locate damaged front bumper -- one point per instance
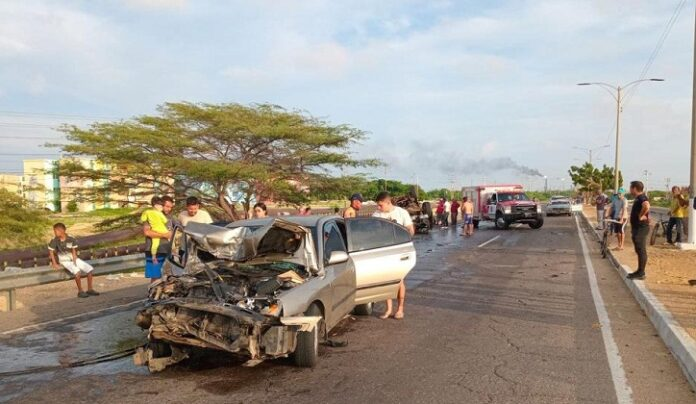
(184, 325)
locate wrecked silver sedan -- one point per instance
(270, 288)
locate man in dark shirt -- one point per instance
(153, 270)
(640, 227)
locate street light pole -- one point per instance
(617, 155)
(615, 92)
(692, 188)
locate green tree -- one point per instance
(589, 179)
(20, 224)
(222, 153)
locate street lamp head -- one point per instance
(657, 79)
(584, 84)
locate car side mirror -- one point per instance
(338, 257)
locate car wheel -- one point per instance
(501, 223)
(307, 349)
(363, 309)
(537, 224)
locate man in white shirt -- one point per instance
(194, 213)
(388, 211)
(446, 214)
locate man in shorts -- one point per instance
(468, 213)
(387, 210)
(618, 211)
(62, 250)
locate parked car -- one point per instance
(269, 288)
(559, 205)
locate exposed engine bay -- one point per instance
(228, 297)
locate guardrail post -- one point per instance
(10, 303)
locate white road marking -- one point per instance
(489, 241)
(623, 390)
(59, 320)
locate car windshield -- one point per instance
(512, 196)
(560, 202)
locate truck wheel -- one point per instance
(307, 350)
(500, 222)
(537, 224)
(363, 309)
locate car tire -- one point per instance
(501, 223)
(363, 309)
(306, 352)
(537, 224)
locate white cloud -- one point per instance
(156, 4)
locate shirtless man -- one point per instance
(356, 201)
(468, 216)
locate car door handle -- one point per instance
(405, 258)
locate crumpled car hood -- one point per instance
(278, 240)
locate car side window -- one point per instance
(332, 240)
(401, 235)
(369, 233)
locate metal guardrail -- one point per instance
(16, 278)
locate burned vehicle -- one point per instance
(269, 288)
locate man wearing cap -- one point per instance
(356, 201)
(618, 211)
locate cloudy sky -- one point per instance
(448, 90)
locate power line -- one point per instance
(660, 42)
(54, 115)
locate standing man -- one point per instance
(152, 270)
(600, 204)
(640, 227)
(455, 212)
(468, 212)
(619, 212)
(387, 210)
(445, 213)
(356, 201)
(677, 212)
(194, 213)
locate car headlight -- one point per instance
(538, 208)
(507, 210)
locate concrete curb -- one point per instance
(679, 342)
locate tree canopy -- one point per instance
(222, 153)
(15, 228)
(591, 179)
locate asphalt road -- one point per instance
(512, 321)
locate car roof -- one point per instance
(306, 221)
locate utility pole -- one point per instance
(646, 173)
(691, 244)
(619, 90)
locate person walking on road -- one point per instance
(62, 251)
(640, 227)
(356, 201)
(446, 207)
(387, 210)
(600, 203)
(439, 210)
(618, 211)
(677, 212)
(468, 217)
(455, 212)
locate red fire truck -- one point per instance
(504, 205)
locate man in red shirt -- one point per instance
(454, 208)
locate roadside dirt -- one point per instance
(58, 300)
(668, 273)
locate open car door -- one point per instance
(383, 254)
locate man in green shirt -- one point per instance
(677, 213)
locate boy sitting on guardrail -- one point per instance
(62, 250)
